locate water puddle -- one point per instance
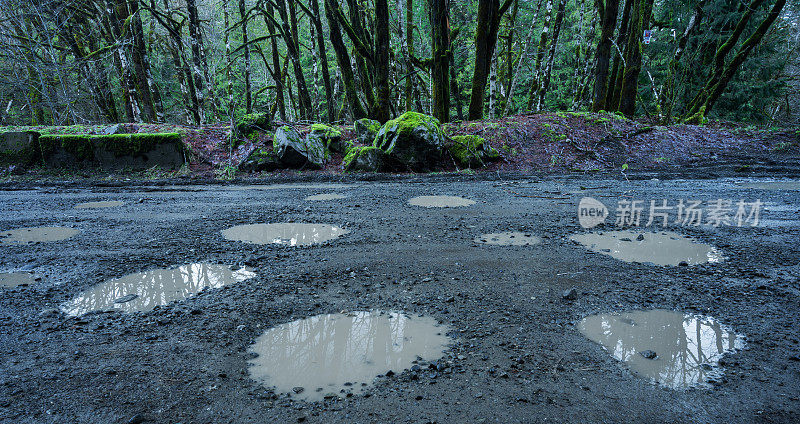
(36, 234)
(663, 248)
(327, 196)
(440, 201)
(324, 354)
(98, 205)
(508, 238)
(145, 290)
(772, 185)
(290, 234)
(16, 279)
(670, 348)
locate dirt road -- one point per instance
(516, 354)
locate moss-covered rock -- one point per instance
(253, 122)
(366, 130)
(330, 137)
(248, 126)
(261, 159)
(19, 147)
(112, 151)
(471, 151)
(413, 139)
(295, 151)
(365, 159)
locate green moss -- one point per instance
(325, 131)
(253, 122)
(404, 126)
(82, 147)
(471, 150)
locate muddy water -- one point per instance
(440, 201)
(330, 353)
(36, 234)
(662, 248)
(143, 291)
(772, 185)
(290, 234)
(15, 279)
(508, 238)
(673, 349)
(97, 205)
(327, 196)
(322, 186)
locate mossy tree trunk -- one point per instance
(323, 55)
(343, 60)
(544, 84)
(544, 38)
(440, 62)
(488, 25)
(618, 66)
(607, 11)
(640, 15)
(719, 81)
(382, 63)
(248, 86)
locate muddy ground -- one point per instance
(516, 354)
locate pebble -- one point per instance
(570, 294)
(648, 354)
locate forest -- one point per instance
(196, 62)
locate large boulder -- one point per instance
(261, 159)
(248, 127)
(294, 151)
(471, 151)
(414, 140)
(330, 137)
(19, 147)
(365, 159)
(118, 151)
(366, 130)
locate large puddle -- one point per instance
(215, 187)
(324, 354)
(508, 238)
(326, 196)
(15, 279)
(144, 291)
(290, 234)
(99, 205)
(670, 348)
(36, 234)
(440, 201)
(662, 248)
(772, 185)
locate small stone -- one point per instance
(570, 294)
(126, 298)
(136, 419)
(648, 354)
(683, 263)
(298, 389)
(640, 238)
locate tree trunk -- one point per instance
(280, 103)
(382, 37)
(343, 60)
(608, 21)
(408, 44)
(440, 72)
(293, 51)
(667, 94)
(522, 60)
(545, 82)
(197, 60)
(150, 95)
(718, 86)
(538, 68)
(615, 80)
(326, 76)
(248, 87)
(640, 19)
(489, 14)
